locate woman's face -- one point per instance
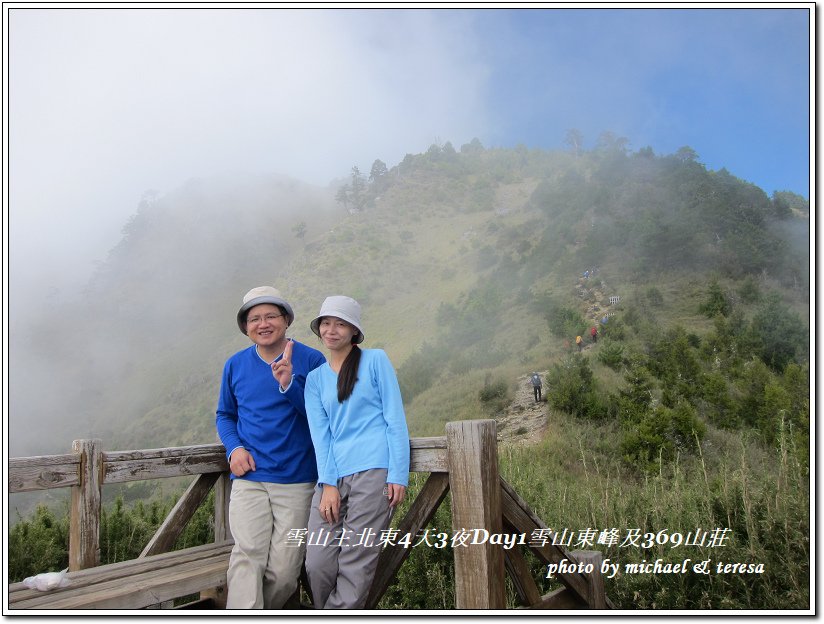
(336, 333)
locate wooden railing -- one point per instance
(464, 462)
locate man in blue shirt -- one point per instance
(261, 420)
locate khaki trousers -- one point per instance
(264, 565)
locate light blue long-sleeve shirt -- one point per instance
(368, 430)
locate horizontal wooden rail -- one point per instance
(428, 455)
(462, 463)
(122, 466)
(30, 474)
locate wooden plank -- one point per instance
(518, 514)
(428, 454)
(29, 474)
(123, 466)
(123, 570)
(436, 442)
(420, 513)
(139, 590)
(84, 519)
(167, 533)
(561, 598)
(213, 597)
(521, 577)
(207, 603)
(195, 450)
(476, 504)
(428, 460)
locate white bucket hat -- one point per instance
(342, 307)
(263, 294)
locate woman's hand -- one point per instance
(282, 368)
(396, 493)
(330, 504)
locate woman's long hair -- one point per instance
(348, 375)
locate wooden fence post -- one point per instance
(476, 506)
(223, 532)
(595, 581)
(84, 522)
(223, 490)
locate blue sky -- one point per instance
(732, 84)
(107, 103)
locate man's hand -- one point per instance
(241, 462)
(282, 368)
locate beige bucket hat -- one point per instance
(263, 294)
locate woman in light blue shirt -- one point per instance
(358, 428)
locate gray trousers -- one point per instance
(341, 558)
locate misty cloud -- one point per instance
(105, 104)
(109, 103)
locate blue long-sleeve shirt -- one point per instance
(368, 430)
(271, 424)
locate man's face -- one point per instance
(266, 325)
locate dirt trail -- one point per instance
(591, 291)
(524, 421)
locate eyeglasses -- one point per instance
(255, 320)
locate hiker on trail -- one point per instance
(261, 420)
(536, 386)
(594, 333)
(580, 342)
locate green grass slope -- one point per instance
(691, 411)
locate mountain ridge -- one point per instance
(452, 255)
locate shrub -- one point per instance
(749, 290)
(715, 402)
(573, 388)
(660, 434)
(564, 321)
(494, 394)
(611, 354)
(38, 544)
(654, 297)
(781, 331)
(41, 543)
(615, 328)
(716, 302)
